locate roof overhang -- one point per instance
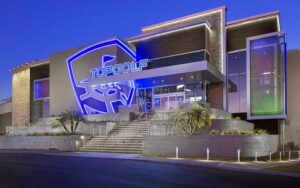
(254, 19)
(202, 71)
(164, 32)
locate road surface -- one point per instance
(39, 170)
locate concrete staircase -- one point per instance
(124, 138)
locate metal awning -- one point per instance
(177, 74)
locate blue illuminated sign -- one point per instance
(96, 98)
(118, 68)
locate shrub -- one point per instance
(192, 119)
(49, 134)
(214, 131)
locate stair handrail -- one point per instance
(139, 117)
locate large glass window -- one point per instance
(168, 89)
(237, 82)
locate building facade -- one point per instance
(237, 66)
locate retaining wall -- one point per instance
(160, 127)
(64, 143)
(90, 129)
(219, 145)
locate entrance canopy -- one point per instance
(201, 71)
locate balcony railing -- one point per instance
(189, 57)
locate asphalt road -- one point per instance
(38, 170)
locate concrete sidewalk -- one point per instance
(251, 167)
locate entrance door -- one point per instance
(168, 101)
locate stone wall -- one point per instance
(21, 95)
(64, 143)
(219, 145)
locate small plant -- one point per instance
(72, 118)
(236, 118)
(214, 131)
(261, 131)
(2, 133)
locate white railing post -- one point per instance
(176, 152)
(239, 155)
(255, 157)
(270, 156)
(299, 154)
(93, 130)
(280, 156)
(207, 154)
(289, 155)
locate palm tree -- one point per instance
(190, 120)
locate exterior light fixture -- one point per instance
(180, 86)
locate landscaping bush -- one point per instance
(238, 132)
(191, 119)
(49, 134)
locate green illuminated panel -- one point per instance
(266, 78)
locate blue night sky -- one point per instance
(34, 29)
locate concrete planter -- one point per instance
(219, 145)
(63, 143)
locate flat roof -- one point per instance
(166, 31)
(181, 19)
(252, 19)
(33, 63)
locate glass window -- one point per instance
(233, 105)
(233, 60)
(169, 89)
(41, 89)
(242, 61)
(237, 81)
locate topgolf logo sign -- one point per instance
(83, 70)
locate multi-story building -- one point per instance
(239, 66)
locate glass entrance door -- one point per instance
(168, 101)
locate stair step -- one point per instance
(124, 138)
(105, 151)
(113, 149)
(107, 143)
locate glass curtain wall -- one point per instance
(237, 96)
